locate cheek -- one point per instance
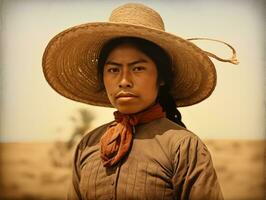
(155, 90)
(153, 80)
(106, 80)
(107, 85)
(150, 90)
(110, 89)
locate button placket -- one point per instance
(114, 180)
(112, 183)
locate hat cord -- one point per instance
(232, 60)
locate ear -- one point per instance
(161, 83)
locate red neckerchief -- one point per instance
(117, 140)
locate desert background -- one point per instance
(42, 171)
(39, 129)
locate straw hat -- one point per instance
(70, 58)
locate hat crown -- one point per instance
(137, 14)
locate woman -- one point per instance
(133, 65)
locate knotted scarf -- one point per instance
(117, 140)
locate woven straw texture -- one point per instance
(70, 58)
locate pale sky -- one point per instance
(32, 111)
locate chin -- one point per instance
(129, 110)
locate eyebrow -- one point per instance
(130, 64)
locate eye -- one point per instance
(138, 68)
(112, 69)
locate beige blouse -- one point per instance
(166, 161)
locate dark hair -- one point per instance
(163, 64)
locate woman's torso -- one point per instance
(149, 171)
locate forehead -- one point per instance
(127, 51)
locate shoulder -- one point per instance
(171, 133)
(93, 137)
(172, 138)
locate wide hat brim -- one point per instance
(70, 62)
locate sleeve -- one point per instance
(194, 175)
(73, 191)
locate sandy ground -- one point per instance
(42, 170)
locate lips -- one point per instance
(125, 95)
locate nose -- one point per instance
(126, 80)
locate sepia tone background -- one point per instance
(39, 129)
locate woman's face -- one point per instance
(130, 79)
